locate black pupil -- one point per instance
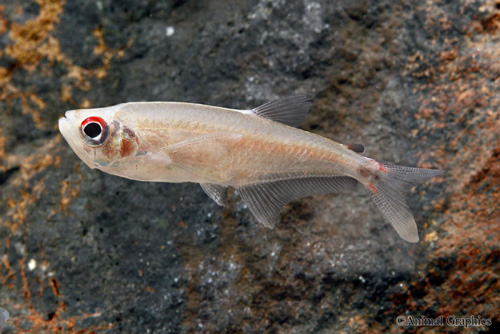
(92, 130)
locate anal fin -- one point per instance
(216, 192)
(265, 200)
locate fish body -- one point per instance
(257, 151)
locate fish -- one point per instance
(259, 152)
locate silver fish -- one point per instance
(259, 152)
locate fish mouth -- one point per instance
(65, 127)
(65, 117)
(63, 122)
(72, 137)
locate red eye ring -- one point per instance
(94, 131)
(95, 119)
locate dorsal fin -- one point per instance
(290, 110)
(266, 199)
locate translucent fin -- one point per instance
(4, 315)
(290, 111)
(358, 148)
(265, 200)
(216, 192)
(193, 151)
(388, 191)
(195, 144)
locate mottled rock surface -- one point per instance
(417, 82)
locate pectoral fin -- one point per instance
(265, 200)
(198, 150)
(216, 192)
(203, 142)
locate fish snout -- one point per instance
(66, 121)
(69, 114)
(65, 125)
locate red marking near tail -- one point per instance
(381, 167)
(373, 188)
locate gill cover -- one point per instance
(127, 142)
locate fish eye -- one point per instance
(94, 131)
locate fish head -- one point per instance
(97, 137)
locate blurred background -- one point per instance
(416, 82)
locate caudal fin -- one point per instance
(388, 191)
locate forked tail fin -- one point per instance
(388, 191)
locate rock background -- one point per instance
(417, 82)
